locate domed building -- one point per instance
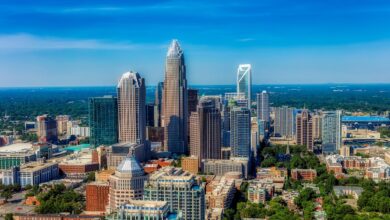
(127, 183)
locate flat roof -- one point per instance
(365, 118)
(16, 147)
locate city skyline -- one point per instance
(286, 43)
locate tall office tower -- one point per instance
(62, 124)
(175, 105)
(205, 136)
(103, 120)
(284, 122)
(127, 182)
(180, 189)
(331, 131)
(149, 114)
(305, 129)
(317, 126)
(240, 132)
(131, 108)
(158, 104)
(225, 117)
(46, 129)
(192, 100)
(263, 111)
(244, 81)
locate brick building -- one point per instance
(190, 164)
(303, 174)
(97, 196)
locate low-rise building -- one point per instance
(33, 173)
(78, 165)
(303, 174)
(145, 209)
(118, 152)
(220, 193)
(260, 191)
(97, 196)
(221, 167)
(190, 164)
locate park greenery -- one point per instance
(7, 191)
(384, 132)
(374, 202)
(59, 199)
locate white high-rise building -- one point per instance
(263, 111)
(131, 108)
(244, 81)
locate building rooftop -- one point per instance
(35, 166)
(78, 158)
(365, 118)
(130, 165)
(14, 148)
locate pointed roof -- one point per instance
(133, 76)
(130, 165)
(174, 49)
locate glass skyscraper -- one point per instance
(263, 111)
(240, 132)
(103, 120)
(244, 81)
(331, 131)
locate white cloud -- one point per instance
(31, 42)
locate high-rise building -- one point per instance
(103, 120)
(131, 108)
(317, 126)
(205, 136)
(284, 122)
(244, 81)
(127, 183)
(46, 129)
(304, 129)
(192, 100)
(158, 104)
(240, 132)
(150, 114)
(331, 131)
(180, 189)
(175, 104)
(62, 124)
(263, 110)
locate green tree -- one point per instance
(9, 216)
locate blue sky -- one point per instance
(76, 43)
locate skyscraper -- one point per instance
(205, 136)
(331, 131)
(240, 132)
(46, 129)
(175, 112)
(149, 112)
(244, 81)
(263, 111)
(103, 120)
(192, 100)
(304, 129)
(317, 126)
(131, 108)
(158, 104)
(284, 122)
